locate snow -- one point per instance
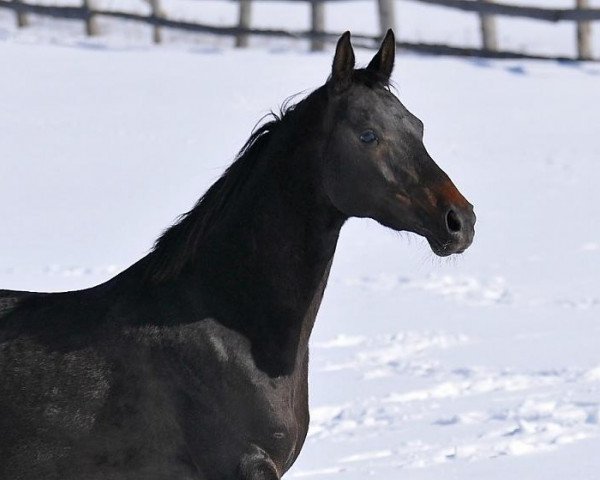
(482, 366)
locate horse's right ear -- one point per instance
(383, 61)
(343, 64)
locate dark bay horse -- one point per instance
(192, 363)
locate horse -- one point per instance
(193, 362)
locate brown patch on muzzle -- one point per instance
(447, 194)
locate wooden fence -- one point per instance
(487, 11)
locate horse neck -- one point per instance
(264, 268)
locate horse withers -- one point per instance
(193, 362)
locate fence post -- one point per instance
(317, 44)
(155, 15)
(387, 17)
(489, 39)
(241, 40)
(20, 14)
(91, 27)
(584, 34)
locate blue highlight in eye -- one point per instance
(368, 136)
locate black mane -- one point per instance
(179, 244)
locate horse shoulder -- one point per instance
(212, 366)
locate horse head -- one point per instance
(375, 163)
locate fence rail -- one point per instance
(486, 9)
(535, 13)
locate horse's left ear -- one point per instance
(383, 61)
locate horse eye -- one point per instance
(368, 136)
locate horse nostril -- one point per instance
(453, 222)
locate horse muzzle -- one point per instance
(457, 232)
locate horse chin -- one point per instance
(445, 249)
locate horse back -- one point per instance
(94, 387)
(49, 396)
(9, 299)
(91, 389)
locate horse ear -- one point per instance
(343, 63)
(383, 61)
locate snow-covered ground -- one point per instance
(482, 366)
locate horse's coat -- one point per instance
(192, 363)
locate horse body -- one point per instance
(193, 363)
(200, 373)
(136, 398)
